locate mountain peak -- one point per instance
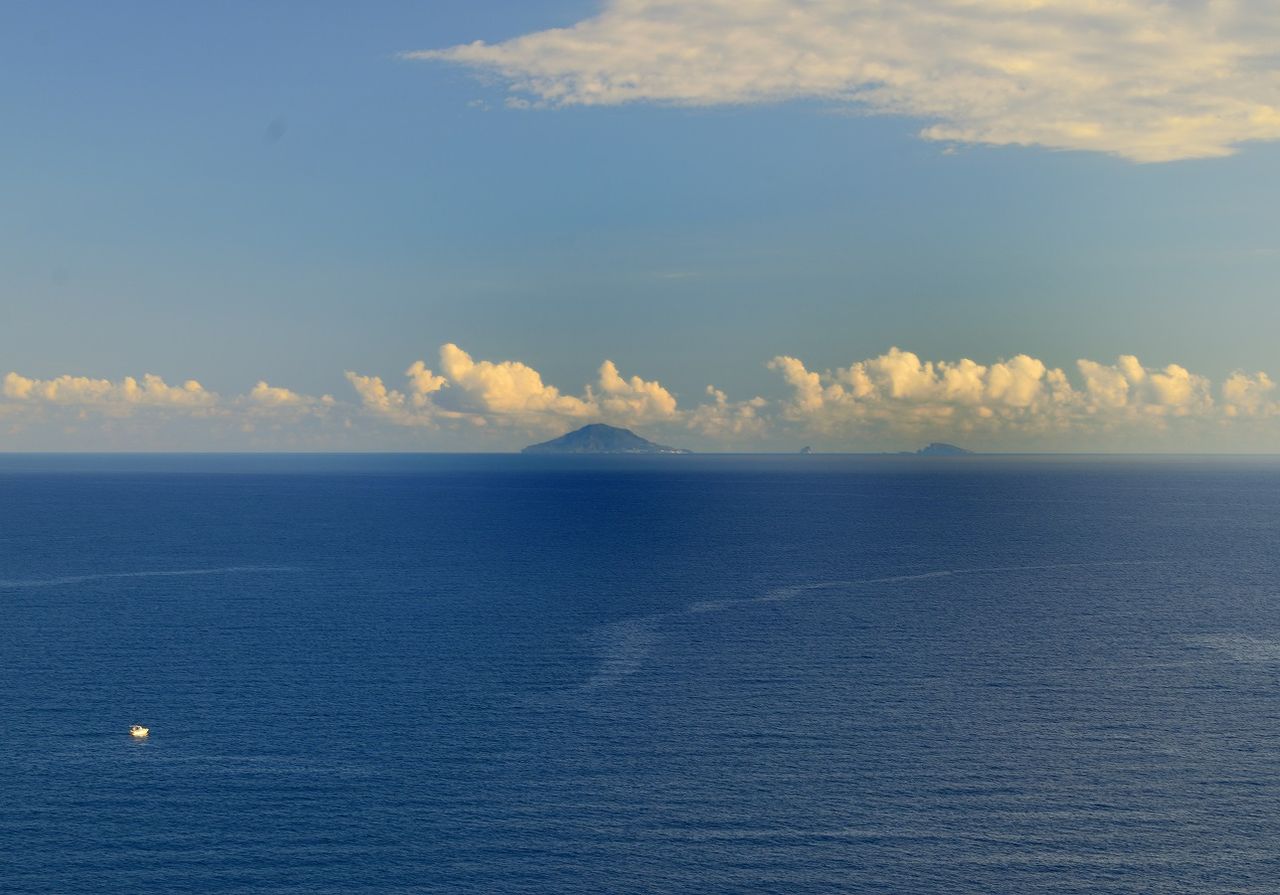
(600, 438)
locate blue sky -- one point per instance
(273, 193)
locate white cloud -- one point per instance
(509, 392)
(723, 419)
(26, 400)
(270, 402)
(274, 396)
(898, 388)
(374, 394)
(898, 393)
(1127, 384)
(809, 395)
(631, 399)
(887, 402)
(394, 405)
(423, 383)
(1245, 395)
(1150, 80)
(505, 387)
(81, 391)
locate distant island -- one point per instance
(942, 449)
(598, 438)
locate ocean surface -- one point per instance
(703, 674)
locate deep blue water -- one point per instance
(675, 674)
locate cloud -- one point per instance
(509, 392)
(271, 403)
(723, 419)
(1126, 384)
(898, 393)
(889, 401)
(1249, 395)
(474, 391)
(1149, 80)
(898, 385)
(67, 398)
(503, 388)
(375, 395)
(81, 391)
(271, 396)
(631, 399)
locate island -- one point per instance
(942, 449)
(599, 438)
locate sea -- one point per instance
(639, 674)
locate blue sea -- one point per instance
(701, 674)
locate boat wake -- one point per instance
(626, 644)
(21, 583)
(623, 647)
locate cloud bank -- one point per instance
(898, 392)
(1148, 80)
(128, 393)
(891, 401)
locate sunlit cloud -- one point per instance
(276, 396)
(885, 402)
(1250, 395)
(508, 388)
(122, 395)
(1148, 80)
(898, 392)
(84, 398)
(508, 392)
(723, 419)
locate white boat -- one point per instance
(138, 730)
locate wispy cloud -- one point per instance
(1149, 80)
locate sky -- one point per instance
(1017, 225)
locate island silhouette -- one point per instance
(942, 449)
(599, 438)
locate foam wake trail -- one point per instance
(786, 593)
(16, 584)
(625, 645)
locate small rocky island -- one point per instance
(598, 438)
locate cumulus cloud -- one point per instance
(465, 389)
(265, 395)
(412, 407)
(1149, 80)
(721, 418)
(1126, 384)
(509, 392)
(272, 402)
(83, 398)
(1249, 395)
(899, 392)
(631, 399)
(505, 387)
(889, 401)
(81, 391)
(375, 395)
(900, 387)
